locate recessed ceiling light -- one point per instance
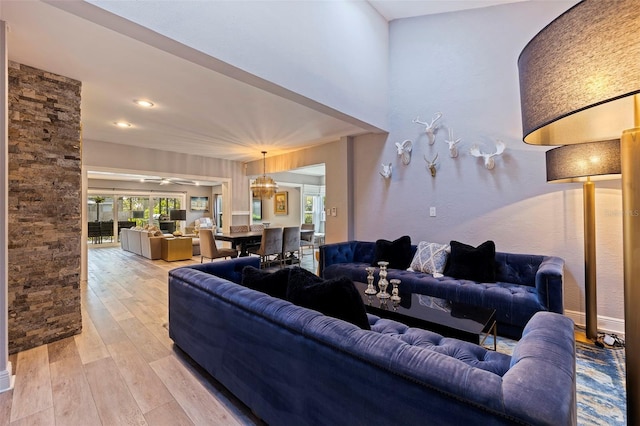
(122, 124)
(143, 103)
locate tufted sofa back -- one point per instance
(510, 268)
(517, 268)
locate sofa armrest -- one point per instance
(549, 283)
(543, 369)
(227, 269)
(335, 253)
(152, 247)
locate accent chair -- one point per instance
(209, 249)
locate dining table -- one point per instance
(242, 240)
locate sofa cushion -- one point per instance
(336, 297)
(272, 283)
(472, 263)
(431, 258)
(398, 253)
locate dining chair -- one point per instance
(308, 240)
(256, 227)
(209, 249)
(94, 232)
(270, 245)
(238, 228)
(291, 243)
(106, 230)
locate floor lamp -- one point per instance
(585, 163)
(138, 214)
(579, 82)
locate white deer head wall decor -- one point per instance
(386, 171)
(453, 149)
(431, 165)
(404, 151)
(430, 128)
(489, 162)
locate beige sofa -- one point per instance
(142, 243)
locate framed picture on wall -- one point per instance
(256, 209)
(280, 205)
(200, 204)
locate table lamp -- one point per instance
(585, 163)
(579, 82)
(178, 215)
(138, 214)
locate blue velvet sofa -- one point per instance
(525, 284)
(295, 366)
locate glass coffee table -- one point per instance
(451, 319)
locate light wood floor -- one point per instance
(122, 369)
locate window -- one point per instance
(313, 205)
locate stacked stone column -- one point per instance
(45, 199)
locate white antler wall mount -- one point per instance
(453, 149)
(432, 165)
(404, 151)
(386, 171)
(489, 161)
(430, 128)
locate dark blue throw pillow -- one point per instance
(472, 263)
(336, 297)
(397, 253)
(273, 283)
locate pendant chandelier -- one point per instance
(264, 186)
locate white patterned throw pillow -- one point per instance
(431, 258)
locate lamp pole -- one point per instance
(589, 201)
(630, 158)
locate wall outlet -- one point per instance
(432, 211)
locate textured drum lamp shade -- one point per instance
(178, 215)
(264, 186)
(581, 163)
(585, 161)
(579, 82)
(579, 74)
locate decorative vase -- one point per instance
(383, 283)
(395, 297)
(371, 290)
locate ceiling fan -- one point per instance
(170, 181)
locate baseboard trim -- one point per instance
(7, 380)
(605, 324)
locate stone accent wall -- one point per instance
(45, 195)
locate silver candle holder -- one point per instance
(371, 290)
(395, 297)
(383, 283)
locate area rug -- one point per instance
(600, 382)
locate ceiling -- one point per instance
(396, 9)
(195, 108)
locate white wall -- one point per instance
(337, 157)
(104, 155)
(465, 65)
(333, 52)
(294, 215)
